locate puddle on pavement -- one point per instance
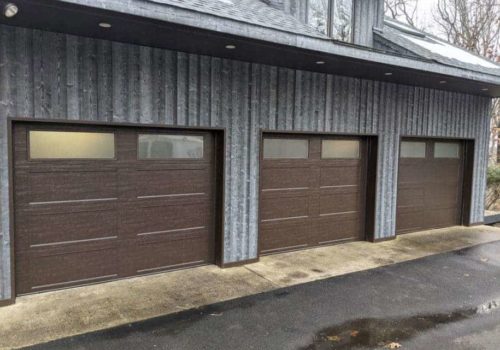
(378, 333)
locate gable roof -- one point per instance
(424, 45)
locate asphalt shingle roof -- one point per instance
(255, 12)
(430, 47)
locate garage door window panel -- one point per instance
(340, 149)
(162, 146)
(71, 145)
(413, 149)
(286, 148)
(446, 150)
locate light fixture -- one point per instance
(388, 74)
(230, 47)
(10, 10)
(105, 25)
(484, 89)
(320, 62)
(443, 82)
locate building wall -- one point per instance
(57, 76)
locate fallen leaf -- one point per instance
(393, 345)
(484, 259)
(333, 338)
(354, 333)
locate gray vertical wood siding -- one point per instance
(57, 76)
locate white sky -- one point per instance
(424, 16)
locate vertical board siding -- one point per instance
(49, 75)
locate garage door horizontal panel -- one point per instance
(410, 196)
(160, 256)
(333, 229)
(441, 217)
(49, 229)
(409, 220)
(200, 232)
(149, 220)
(65, 270)
(412, 173)
(286, 178)
(170, 200)
(73, 186)
(296, 234)
(340, 176)
(284, 208)
(346, 203)
(441, 196)
(69, 247)
(172, 182)
(340, 190)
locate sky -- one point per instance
(424, 16)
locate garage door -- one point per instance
(312, 191)
(100, 203)
(429, 184)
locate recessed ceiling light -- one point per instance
(10, 10)
(388, 74)
(230, 47)
(320, 62)
(105, 25)
(443, 82)
(485, 89)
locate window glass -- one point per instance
(286, 148)
(446, 150)
(340, 149)
(163, 146)
(317, 15)
(412, 149)
(71, 145)
(342, 20)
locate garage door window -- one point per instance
(286, 148)
(412, 149)
(71, 145)
(340, 149)
(446, 150)
(162, 146)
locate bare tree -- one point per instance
(475, 26)
(402, 10)
(471, 24)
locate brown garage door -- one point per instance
(312, 191)
(429, 185)
(100, 203)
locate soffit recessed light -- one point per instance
(320, 62)
(230, 47)
(105, 25)
(443, 82)
(10, 10)
(388, 74)
(485, 89)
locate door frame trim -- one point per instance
(220, 134)
(370, 176)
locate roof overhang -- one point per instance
(194, 32)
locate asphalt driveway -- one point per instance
(446, 301)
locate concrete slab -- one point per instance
(43, 317)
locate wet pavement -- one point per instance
(446, 301)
